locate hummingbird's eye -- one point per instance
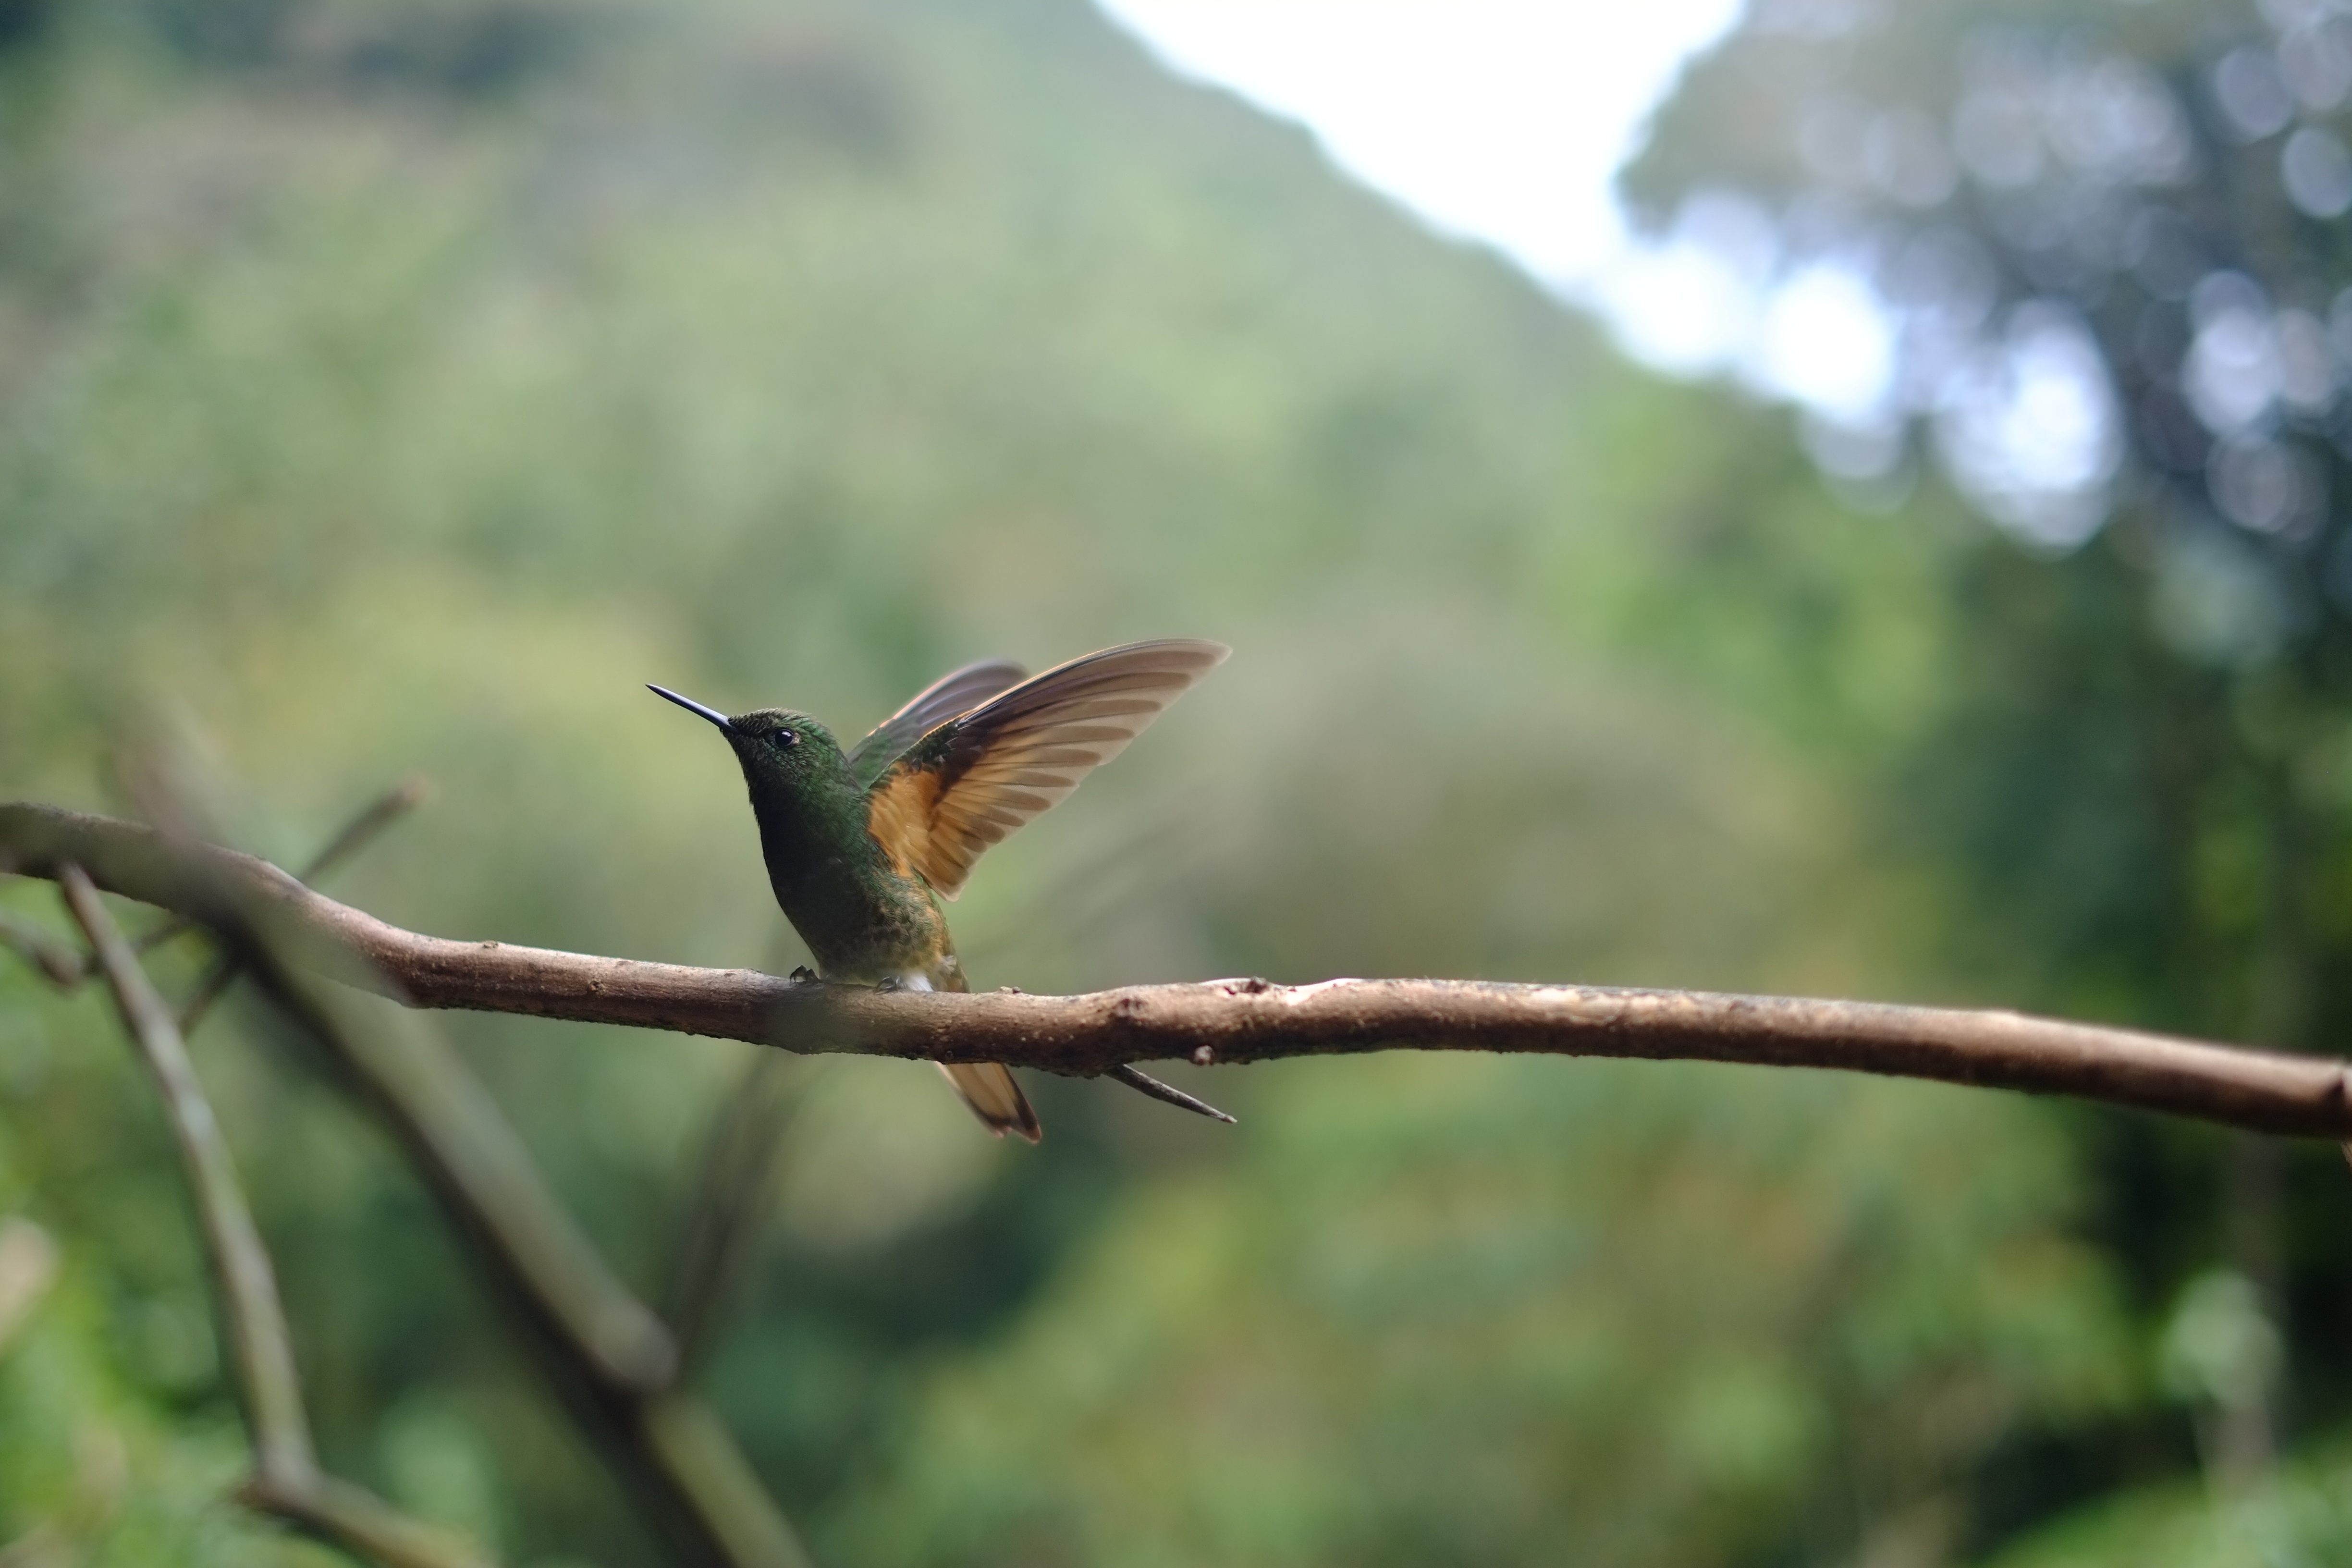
(785, 738)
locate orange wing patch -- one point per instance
(898, 814)
(973, 779)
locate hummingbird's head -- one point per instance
(777, 745)
(782, 753)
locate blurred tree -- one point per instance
(2102, 259)
(1506, 1314)
(399, 386)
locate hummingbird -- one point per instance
(862, 844)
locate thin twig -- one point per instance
(1233, 1020)
(67, 968)
(60, 964)
(1143, 1083)
(727, 1208)
(457, 1139)
(364, 1525)
(360, 831)
(259, 1343)
(286, 1481)
(357, 833)
(611, 1360)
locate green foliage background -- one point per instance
(401, 387)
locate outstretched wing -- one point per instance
(957, 692)
(972, 780)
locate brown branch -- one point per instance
(65, 967)
(286, 1481)
(357, 835)
(1220, 1021)
(261, 1347)
(610, 1359)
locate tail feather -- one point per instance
(995, 1098)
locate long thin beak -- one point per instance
(691, 706)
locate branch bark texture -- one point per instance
(1227, 1021)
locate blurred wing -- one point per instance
(957, 692)
(975, 778)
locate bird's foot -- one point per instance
(802, 975)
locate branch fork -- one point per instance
(612, 1361)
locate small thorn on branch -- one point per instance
(1142, 1083)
